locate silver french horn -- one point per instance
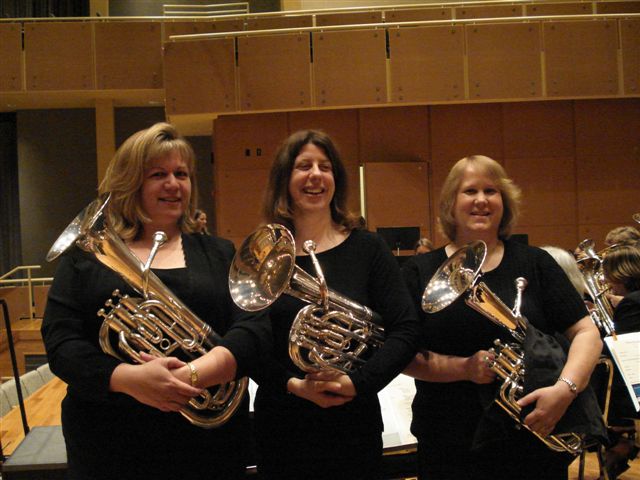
(460, 273)
(333, 332)
(159, 323)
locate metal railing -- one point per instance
(29, 281)
(206, 10)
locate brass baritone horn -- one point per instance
(159, 323)
(460, 273)
(590, 265)
(333, 332)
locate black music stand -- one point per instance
(16, 374)
(400, 238)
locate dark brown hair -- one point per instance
(277, 204)
(622, 265)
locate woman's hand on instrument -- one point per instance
(477, 367)
(321, 392)
(551, 404)
(347, 388)
(153, 384)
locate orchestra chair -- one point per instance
(5, 406)
(31, 381)
(9, 388)
(45, 372)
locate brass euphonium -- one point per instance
(159, 323)
(590, 264)
(333, 332)
(461, 273)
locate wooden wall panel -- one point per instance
(11, 57)
(608, 188)
(200, 26)
(549, 196)
(238, 199)
(607, 127)
(630, 46)
(618, 7)
(563, 236)
(40, 293)
(209, 86)
(17, 299)
(570, 8)
(381, 143)
(581, 58)
(244, 148)
(348, 18)
(274, 72)
(421, 72)
(128, 55)
(270, 23)
(397, 195)
(488, 11)
(538, 129)
(418, 14)
(248, 142)
(461, 130)
(349, 67)
(504, 61)
(342, 127)
(58, 56)
(599, 232)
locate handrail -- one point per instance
(292, 13)
(200, 10)
(451, 21)
(18, 269)
(29, 281)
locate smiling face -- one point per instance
(166, 189)
(478, 206)
(311, 185)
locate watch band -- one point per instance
(572, 386)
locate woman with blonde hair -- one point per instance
(450, 411)
(121, 420)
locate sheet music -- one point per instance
(395, 403)
(626, 353)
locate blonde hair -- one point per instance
(568, 263)
(125, 175)
(511, 194)
(423, 242)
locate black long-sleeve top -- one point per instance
(70, 330)
(448, 413)
(363, 269)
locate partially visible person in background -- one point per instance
(424, 245)
(568, 263)
(201, 222)
(621, 267)
(623, 236)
